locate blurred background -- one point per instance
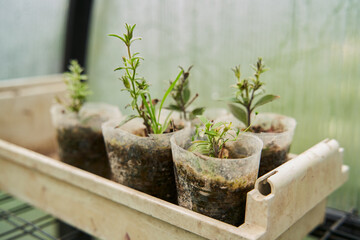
(312, 48)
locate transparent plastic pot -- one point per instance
(79, 136)
(211, 114)
(212, 186)
(139, 162)
(276, 144)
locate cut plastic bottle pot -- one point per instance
(139, 162)
(79, 136)
(212, 186)
(276, 144)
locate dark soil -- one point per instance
(213, 196)
(84, 148)
(261, 129)
(146, 166)
(271, 157)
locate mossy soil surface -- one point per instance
(213, 196)
(84, 148)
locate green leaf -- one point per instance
(138, 38)
(152, 116)
(166, 123)
(173, 107)
(218, 124)
(168, 91)
(203, 119)
(114, 35)
(265, 99)
(238, 112)
(211, 133)
(186, 95)
(120, 68)
(230, 99)
(127, 119)
(198, 111)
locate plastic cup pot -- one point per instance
(212, 114)
(79, 136)
(138, 161)
(276, 131)
(212, 186)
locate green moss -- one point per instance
(212, 194)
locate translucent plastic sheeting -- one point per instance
(312, 48)
(32, 37)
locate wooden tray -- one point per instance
(286, 203)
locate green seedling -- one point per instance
(249, 94)
(181, 96)
(138, 87)
(77, 87)
(210, 138)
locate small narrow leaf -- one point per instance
(218, 124)
(265, 99)
(173, 107)
(238, 112)
(198, 111)
(211, 133)
(203, 119)
(127, 119)
(166, 122)
(186, 95)
(168, 91)
(114, 35)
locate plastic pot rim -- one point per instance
(204, 157)
(291, 128)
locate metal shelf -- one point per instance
(19, 220)
(339, 225)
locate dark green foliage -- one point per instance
(181, 96)
(247, 97)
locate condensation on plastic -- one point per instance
(143, 163)
(206, 184)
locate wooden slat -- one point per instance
(77, 197)
(18, 163)
(25, 111)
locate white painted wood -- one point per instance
(24, 111)
(296, 187)
(306, 224)
(109, 210)
(287, 206)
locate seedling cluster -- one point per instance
(77, 86)
(138, 88)
(210, 139)
(247, 97)
(181, 96)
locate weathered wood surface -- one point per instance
(282, 196)
(25, 111)
(110, 211)
(285, 204)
